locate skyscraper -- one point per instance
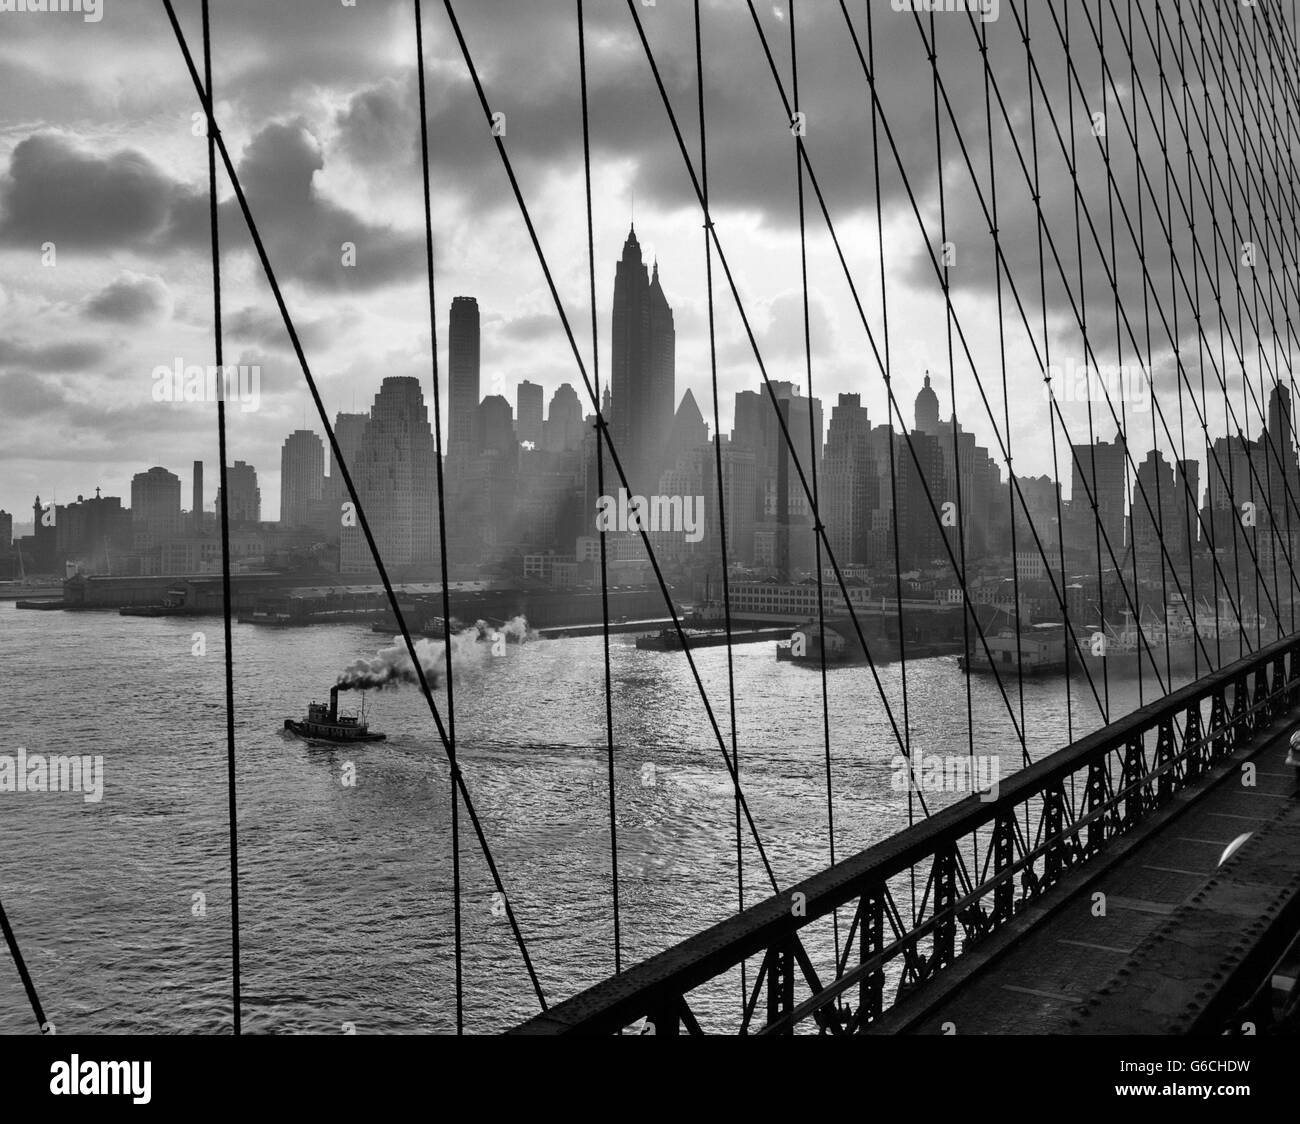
(302, 478)
(780, 498)
(155, 506)
(643, 369)
(529, 426)
(462, 375)
(196, 515)
(395, 477)
(1157, 507)
(926, 411)
(494, 426)
(850, 488)
(1280, 471)
(245, 495)
(348, 429)
(689, 431)
(1099, 474)
(563, 429)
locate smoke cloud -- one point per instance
(471, 647)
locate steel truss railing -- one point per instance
(1123, 773)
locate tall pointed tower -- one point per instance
(642, 373)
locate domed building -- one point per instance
(927, 409)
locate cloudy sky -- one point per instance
(100, 156)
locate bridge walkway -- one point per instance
(1174, 929)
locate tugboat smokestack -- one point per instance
(334, 704)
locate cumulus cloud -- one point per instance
(305, 232)
(56, 190)
(69, 355)
(26, 396)
(131, 299)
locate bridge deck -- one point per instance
(1175, 925)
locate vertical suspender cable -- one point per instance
(225, 527)
(887, 373)
(814, 455)
(453, 767)
(719, 473)
(600, 484)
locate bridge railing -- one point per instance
(1045, 821)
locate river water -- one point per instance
(122, 906)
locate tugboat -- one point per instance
(325, 723)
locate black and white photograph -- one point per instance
(649, 518)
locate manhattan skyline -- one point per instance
(325, 141)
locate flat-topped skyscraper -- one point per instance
(155, 506)
(245, 495)
(302, 478)
(462, 375)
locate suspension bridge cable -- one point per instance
(1120, 435)
(1275, 367)
(1047, 359)
(1240, 341)
(1095, 236)
(564, 320)
(814, 450)
(869, 74)
(876, 353)
(848, 274)
(362, 521)
(1010, 278)
(1256, 320)
(23, 973)
(887, 374)
(920, 468)
(1188, 497)
(1146, 278)
(718, 472)
(600, 483)
(866, 326)
(1204, 345)
(227, 630)
(962, 493)
(870, 335)
(1267, 437)
(1267, 441)
(1273, 85)
(1167, 234)
(1228, 409)
(1113, 282)
(442, 522)
(1200, 341)
(995, 235)
(1157, 520)
(753, 343)
(1029, 179)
